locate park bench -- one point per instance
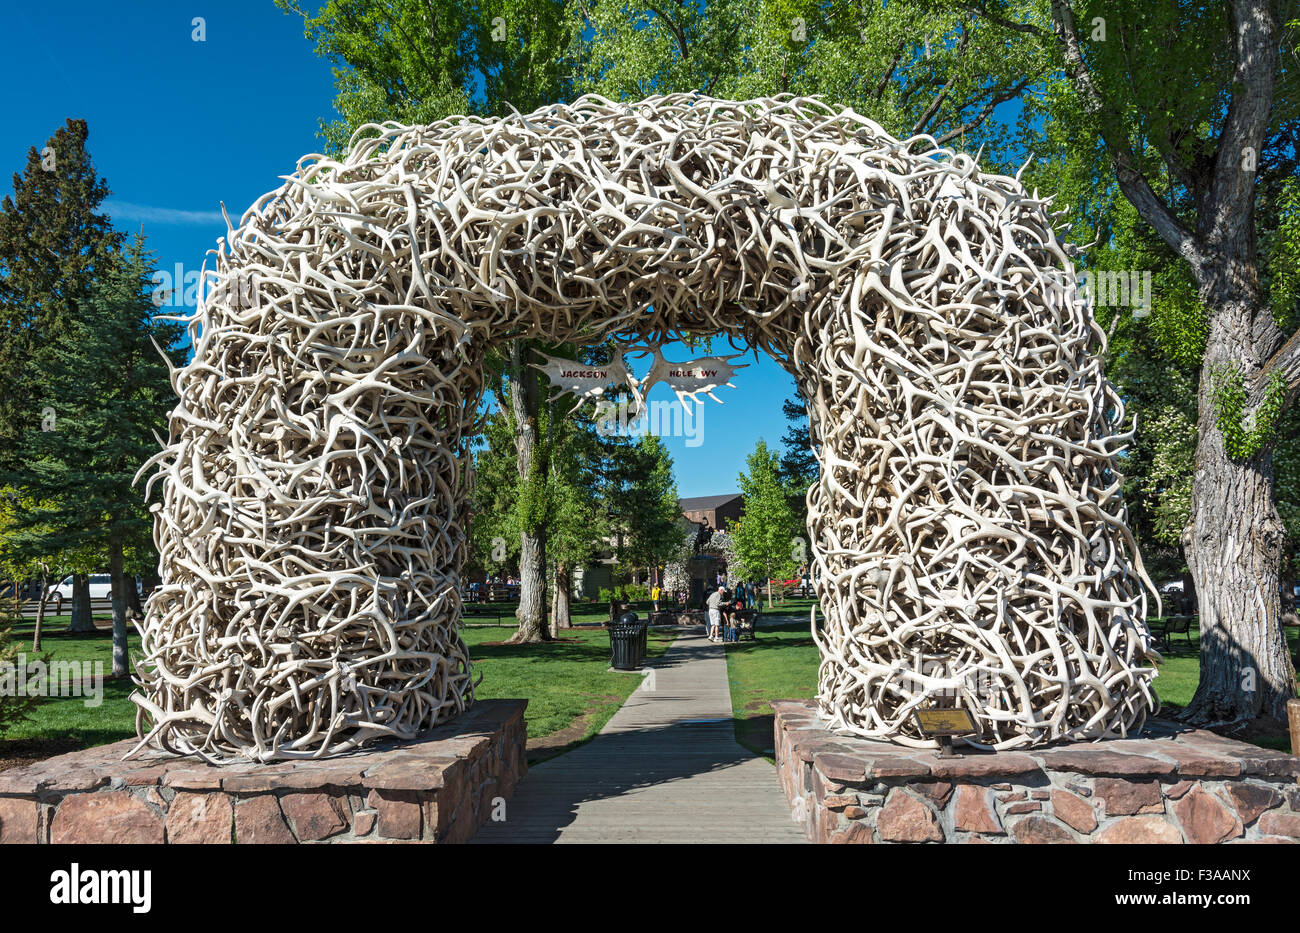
(679, 617)
(1177, 625)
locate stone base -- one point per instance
(439, 788)
(1169, 786)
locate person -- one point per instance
(730, 612)
(742, 595)
(733, 620)
(654, 597)
(714, 605)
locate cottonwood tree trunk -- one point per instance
(133, 597)
(83, 620)
(1233, 545)
(1233, 540)
(525, 404)
(561, 614)
(119, 579)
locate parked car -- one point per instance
(101, 587)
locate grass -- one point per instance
(1180, 672)
(570, 689)
(70, 720)
(782, 664)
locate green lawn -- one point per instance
(70, 719)
(782, 664)
(570, 689)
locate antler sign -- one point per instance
(687, 380)
(692, 377)
(583, 380)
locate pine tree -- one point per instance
(53, 243)
(798, 466)
(109, 392)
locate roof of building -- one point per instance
(703, 503)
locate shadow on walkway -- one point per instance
(666, 768)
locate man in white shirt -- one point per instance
(714, 604)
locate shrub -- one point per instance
(14, 706)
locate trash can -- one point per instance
(627, 641)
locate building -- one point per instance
(713, 512)
(707, 513)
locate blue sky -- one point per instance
(178, 126)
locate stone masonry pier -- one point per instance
(439, 788)
(1172, 785)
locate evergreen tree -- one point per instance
(798, 466)
(642, 502)
(53, 243)
(109, 391)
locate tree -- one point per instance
(15, 705)
(578, 524)
(416, 62)
(1192, 110)
(766, 537)
(53, 243)
(45, 552)
(641, 498)
(798, 465)
(493, 524)
(912, 67)
(109, 392)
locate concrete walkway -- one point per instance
(666, 768)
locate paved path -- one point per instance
(666, 768)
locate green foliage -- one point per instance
(1283, 266)
(1244, 435)
(15, 706)
(54, 243)
(912, 67)
(108, 392)
(412, 61)
(641, 497)
(766, 537)
(799, 468)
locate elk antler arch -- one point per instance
(967, 524)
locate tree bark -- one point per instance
(83, 620)
(1233, 545)
(133, 597)
(562, 616)
(525, 405)
(119, 580)
(1233, 541)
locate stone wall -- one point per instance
(440, 788)
(1170, 786)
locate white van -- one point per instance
(101, 587)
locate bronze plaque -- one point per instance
(945, 721)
